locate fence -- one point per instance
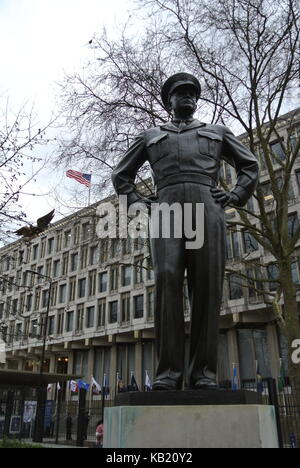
(74, 422)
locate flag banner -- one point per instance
(83, 385)
(120, 384)
(148, 384)
(73, 386)
(96, 387)
(82, 178)
(49, 387)
(105, 385)
(259, 381)
(58, 386)
(133, 385)
(235, 383)
(281, 378)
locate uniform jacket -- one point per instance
(191, 154)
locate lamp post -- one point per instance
(40, 410)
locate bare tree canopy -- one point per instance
(19, 163)
(246, 55)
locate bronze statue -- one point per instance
(185, 156)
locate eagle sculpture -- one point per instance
(30, 232)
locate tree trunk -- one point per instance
(291, 327)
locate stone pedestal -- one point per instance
(190, 419)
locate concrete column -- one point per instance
(273, 348)
(138, 365)
(233, 352)
(113, 370)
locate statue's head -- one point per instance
(180, 94)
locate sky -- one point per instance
(40, 40)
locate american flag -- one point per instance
(80, 177)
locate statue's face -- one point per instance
(183, 100)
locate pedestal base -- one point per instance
(189, 426)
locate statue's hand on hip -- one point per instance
(224, 198)
(137, 198)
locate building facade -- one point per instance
(99, 299)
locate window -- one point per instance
(298, 179)
(150, 303)
(69, 321)
(90, 317)
(48, 268)
(56, 265)
(45, 296)
(139, 306)
(67, 238)
(125, 304)
(253, 346)
(28, 303)
(101, 312)
(53, 297)
(94, 255)
(76, 234)
(84, 257)
(273, 273)
(293, 224)
(43, 248)
(18, 331)
(295, 272)
(58, 241)
(267, 192)
(72, 288)
(113, 312)
(235, 287)
(60, 322)
(86, 231)
(65, 264)
(114, 244)
(35, 252)
(62, 293)
(37, 297)
(92, 282)
(50, 245)
(126, 245)
(74, 261)
(51, 324)
(150, 272)
(103, 281)
(81, 287)
(277, 149)
(114, 277)
(34, 328)
(138, 269)
(250, 205)
(80, 366)
(126, 275)
(250, 243)
(233, 250)
(79, 317)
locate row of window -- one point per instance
(84, 317)
(252, 280)
(249, 243)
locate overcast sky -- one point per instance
(39, 41)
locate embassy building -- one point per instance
(99, 298)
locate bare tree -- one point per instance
(246, 54)
(19, 163)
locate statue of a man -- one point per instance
(185, 156)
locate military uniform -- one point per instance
(185, 162)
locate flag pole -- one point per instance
(89, 196)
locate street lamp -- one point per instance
(39, 429)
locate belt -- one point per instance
(183, 177)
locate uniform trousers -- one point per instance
(205, 274)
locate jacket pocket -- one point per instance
(208, 142)
(157, 147)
